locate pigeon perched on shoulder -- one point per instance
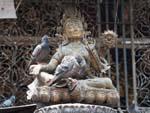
(9, 102)
(41, 51)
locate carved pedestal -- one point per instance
(76, 108)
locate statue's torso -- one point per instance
(74, 48)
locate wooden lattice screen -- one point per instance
(38, 17)
(19, 37)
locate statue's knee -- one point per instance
(109, 83)
(44, 77)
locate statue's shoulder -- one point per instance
(64, 43)
(63, 46)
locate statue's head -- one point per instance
(73, 28)
(73, 24)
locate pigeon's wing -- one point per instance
(36, 51)
(7, 103)
(62, 71)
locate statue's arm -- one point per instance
(55, 60)
(49, 67)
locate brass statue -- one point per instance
(69, 72)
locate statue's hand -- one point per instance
(35, 69)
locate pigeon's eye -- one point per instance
(65, 67)
(79, 60)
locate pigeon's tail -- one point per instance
(55, 79)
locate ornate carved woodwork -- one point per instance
(19, 36)
(38, 17)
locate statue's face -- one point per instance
(73, 28)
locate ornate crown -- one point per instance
(71, 16)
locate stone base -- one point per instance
(76, 108)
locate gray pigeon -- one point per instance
(133, 108)
(71, 66)
(41, 51)
(9, 102)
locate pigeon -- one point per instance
(133, 108)
(41, 51)
(71, 66)
(9, 102)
